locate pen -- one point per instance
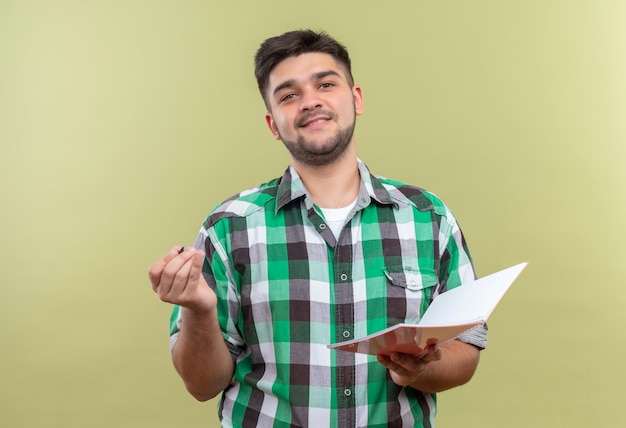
(181, 249)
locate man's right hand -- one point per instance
(200, 354)
(177, 279)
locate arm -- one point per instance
(445, 366)
(200, 354)
(452, 363)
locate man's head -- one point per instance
(312, 101)
(294, 43)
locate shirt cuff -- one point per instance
(476, 336)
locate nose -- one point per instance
(310, 100)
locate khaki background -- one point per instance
(122, 123)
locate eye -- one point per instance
(326, 85)
(287, 97)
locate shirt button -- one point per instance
(344, 277)
(347, 392)
(346, 334)
(322, 226)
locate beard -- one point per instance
(320, 154)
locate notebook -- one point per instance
(448, 316)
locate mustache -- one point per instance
(315, 113)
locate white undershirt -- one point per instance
(336, 217)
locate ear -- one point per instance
(357, 93)
(271, 125)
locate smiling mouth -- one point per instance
(314, 122)
(315, 118)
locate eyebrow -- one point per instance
(315, 76)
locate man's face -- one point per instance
(313, 107)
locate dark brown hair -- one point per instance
(293, 43)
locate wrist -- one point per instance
(199, 315)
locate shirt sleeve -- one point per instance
(456, 268)
(477, 336)
(218, 273)
(219, 277)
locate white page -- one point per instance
(450, 314)
(471, 302)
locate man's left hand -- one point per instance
(405, 369)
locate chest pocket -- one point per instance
(408, 292)
(410, 279)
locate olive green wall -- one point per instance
(123, 122)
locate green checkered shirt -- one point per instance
(286, 288)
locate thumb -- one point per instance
(156, 269)
(173, 252)
(434, 352)
(196, 267)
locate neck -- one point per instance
(335, 185)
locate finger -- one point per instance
(180, 282)
(195, 273)
(383, 359)
(172, 253)
(156, 269)
(171, 272)
(410, 363)
(402, 364)
(434, 352)
(388, 363)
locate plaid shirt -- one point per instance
(286, 288)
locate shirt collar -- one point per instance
(291, 188)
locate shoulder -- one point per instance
(418, 197)
(245, 203)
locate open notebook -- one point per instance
(449, 315)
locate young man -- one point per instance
(326, 253)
